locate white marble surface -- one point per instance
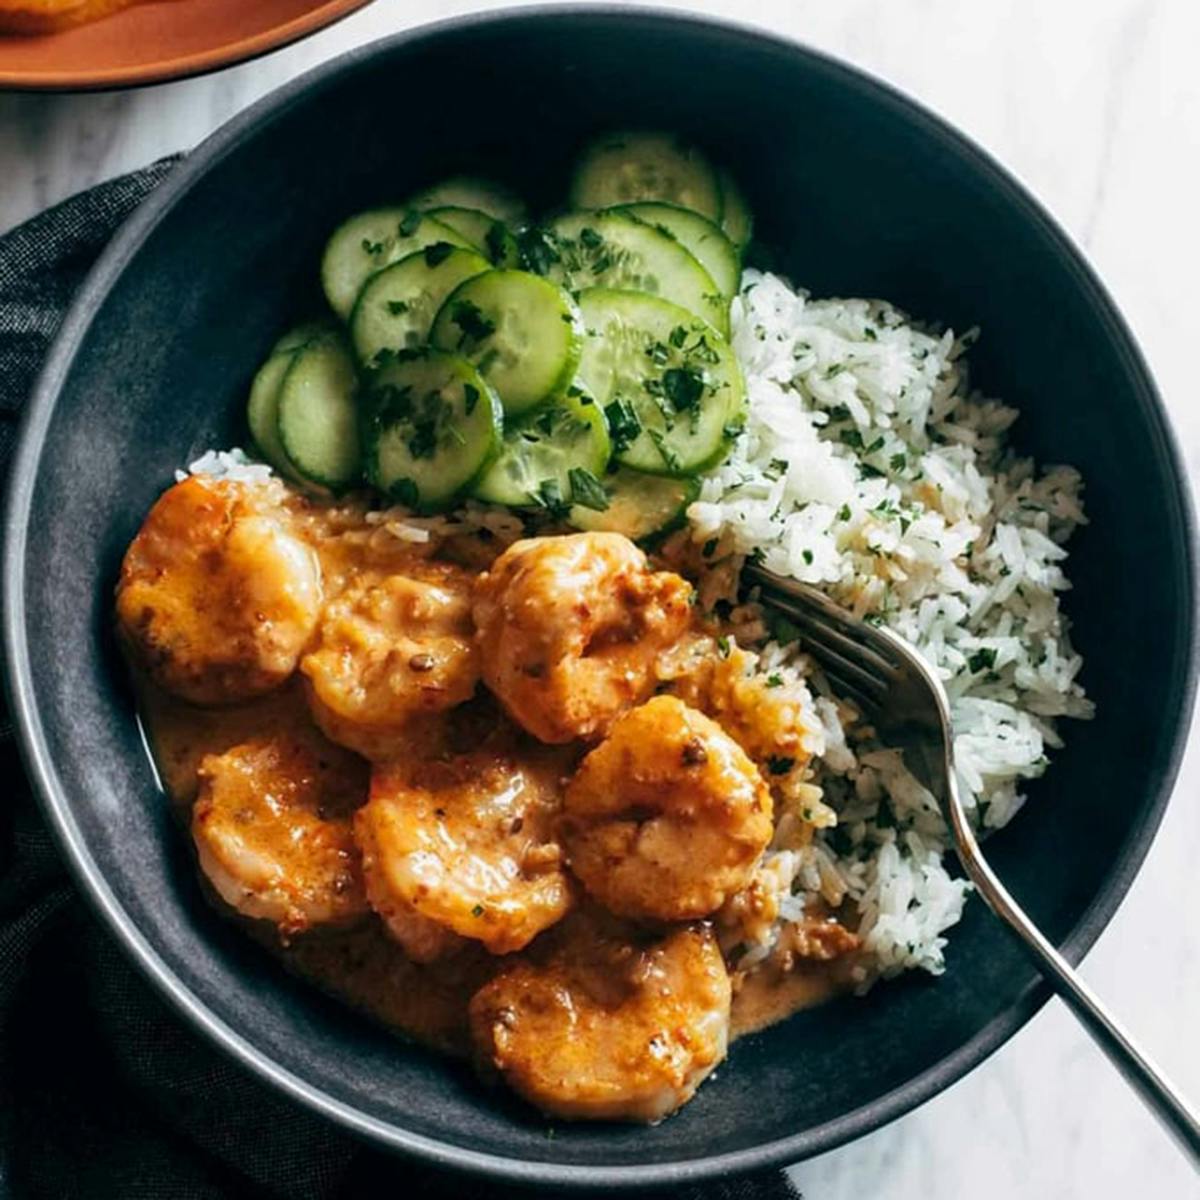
(1096, 104)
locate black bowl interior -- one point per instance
(858, 193)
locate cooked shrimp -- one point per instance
(272, 828)
(607, 1023)
(461, 846)
(217, 596)
(571, 629)
(667, 816)
(391, 647)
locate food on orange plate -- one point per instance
(51, 16)
(459, 689)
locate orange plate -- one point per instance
(168, 39)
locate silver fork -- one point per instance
(904, 699)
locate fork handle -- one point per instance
(1156, 1091)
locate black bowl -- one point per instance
(861, 192)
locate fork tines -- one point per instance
(861, 672)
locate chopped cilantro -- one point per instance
(623, 423)
(587, 490)
(549, 496)
(410, 224)
(669, 457)
(470, 318)
(538, 250)
(494, 243)
(723, 646)
(844, 513)
(678, 337)
(590, 239)
(684, 387)
(984, 659)
(774, 680)
(807, 555)
(437, 253)
(396, 307)
(371, 247)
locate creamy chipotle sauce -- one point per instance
(362, 965)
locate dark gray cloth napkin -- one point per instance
(104, 1091)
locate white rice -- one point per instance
(869, 468)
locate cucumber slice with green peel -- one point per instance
(317, 418)
(397, 306)
(464, 192)
(736, 221)
(296, 339)
(262, 411)
(370, 241)
(669, 383)
(551, 458)
(640, 506)
(431, 426)
(624, 168)
(615, 250)
(521, 332)
(698, 236)
(492, 238)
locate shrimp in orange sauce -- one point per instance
(272, 830)
(462, 846)
(603, 1021)
(393, 646)
(218, 596)
(571, 629)
(667, 817)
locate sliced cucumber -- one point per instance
(668, 382)
(492, 238)
(262, 411)
(370, 241)
(554, 456)
(520, 331)
(624, 168)
(736, 220)
(465, 192)
(432, 427)
(639, 505)
(698, 236)
(296, 339)
(614, 250)
(396, 306)
(318, 416)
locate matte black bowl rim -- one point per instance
(56, 804)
